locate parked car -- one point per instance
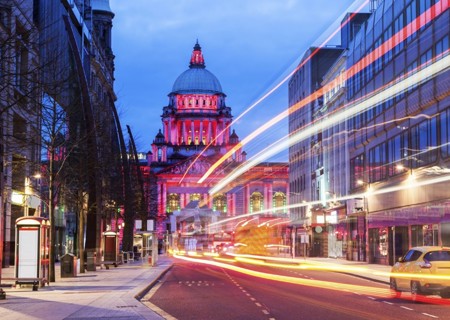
(422, 271)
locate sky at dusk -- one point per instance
(249, 45)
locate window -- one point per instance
(396, 147)
(19, 127)
(411, 25)
(445, 133)
(377, 162)
(441, 255)
(279, 201)
(173, 202)
(398, 34)
(441, 47)
(411, 69)
(424, 143)
(378, 64)
(426, 58)
(424, 5)
(256, 202)
(220, 203)
(412, 255)
(195, 197)
(388, 40)
(356, 170)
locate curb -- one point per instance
(144, 291)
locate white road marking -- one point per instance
(406, 308)
(429, 315)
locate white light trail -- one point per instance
(343, 114)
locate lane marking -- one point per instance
(406, 308)
(429, 315)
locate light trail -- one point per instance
(379, 292)
(351, 110)
(412, 184)
(329, 285)
(375, 54)
(279, 117)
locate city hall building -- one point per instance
(196, 133)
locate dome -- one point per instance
(197, 79)
(100, 5)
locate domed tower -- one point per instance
(196, 115)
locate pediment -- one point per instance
(190, 166)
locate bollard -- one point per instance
(149, 260)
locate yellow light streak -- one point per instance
(380, 292)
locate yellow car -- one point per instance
(422, 271)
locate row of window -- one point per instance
(415, 147)
(396, 42)
(220, 201)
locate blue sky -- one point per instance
(247, 44)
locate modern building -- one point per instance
(78, 73)
(196, 134)
(398, 144)
(307, 180)
(383, 135)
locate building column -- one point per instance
(192, 131)
(170, 134)
(200, 133)
(209, 138)
(268, 195)
(246, 199)
(183, 132)
(229, 204)
(164, 198)
(182, 200)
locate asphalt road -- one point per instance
(197, 291)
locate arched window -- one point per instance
(220, 203)
(279, 200)
(256, 202)
(173, 202)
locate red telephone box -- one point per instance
(32, 250)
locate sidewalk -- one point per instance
(92, 295)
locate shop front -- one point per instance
(393, 232)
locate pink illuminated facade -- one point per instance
(195, 134)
